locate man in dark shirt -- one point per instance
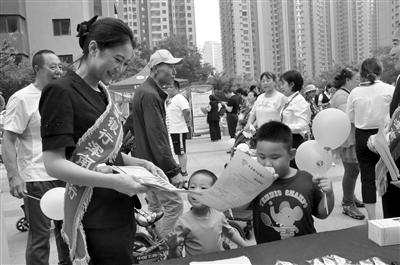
(152, 138)
(232, 108)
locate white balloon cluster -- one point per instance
(331, 128)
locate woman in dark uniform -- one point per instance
(82, 128)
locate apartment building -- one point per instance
(212, 54)
(34, 25)
(310, 36)
(239, 35)
(154, 20)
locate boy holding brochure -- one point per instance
(200, 230)
(285, 208)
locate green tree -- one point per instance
(15, 71)
(191, 67)
(389, 73)
(138, 62)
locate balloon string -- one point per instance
(32, 197)
(326, 204)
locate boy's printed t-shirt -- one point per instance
(285, 209)
(202, 234)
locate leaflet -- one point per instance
(242, 260)
(148, 179)
(241, 181)
(382, 146)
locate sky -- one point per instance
(207, 21)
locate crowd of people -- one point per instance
(64, 130)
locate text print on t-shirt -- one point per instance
(283, 215)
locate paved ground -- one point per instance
(202, 153)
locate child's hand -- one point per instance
(325, 184)
(172, 240)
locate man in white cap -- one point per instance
(152, 139)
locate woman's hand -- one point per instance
(129, 184)
(371, 143)
(103, 168)
(156, 171)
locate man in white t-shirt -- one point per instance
(22, 154)
(178, 113)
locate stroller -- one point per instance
(22, 224)
(244, 137)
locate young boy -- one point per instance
(285, 209)
(200, 230)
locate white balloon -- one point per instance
(231, 142)
(243, 147)
(331, 128)
(311, 157)
(52, 203)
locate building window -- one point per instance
(156, 35)
(189, 15)
(61, 27)
(156, 28)
(164, 26)
(163, 4)
(155, 5)
(164, 19)
(164, 11)
(156, 20)
(66, 58)
(190, 29)
(10, 24)
(188, 8)
(189, 22)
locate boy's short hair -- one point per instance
(275, 131)
(205, 172)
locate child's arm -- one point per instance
(325, 185)
(176, 239)
(174, 243)
(234, 236)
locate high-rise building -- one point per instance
(310, 36)
(212, 54)
(238, 29)
(154, 20)
(30, 26)
(387, 18)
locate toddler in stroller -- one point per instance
(245, 142)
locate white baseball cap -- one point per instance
(310, 88)
(162, 56)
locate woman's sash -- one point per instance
(99, 144)
(381, 170)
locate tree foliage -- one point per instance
(137, 63)
(191, 67)
(15, 71)
(389, 74)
